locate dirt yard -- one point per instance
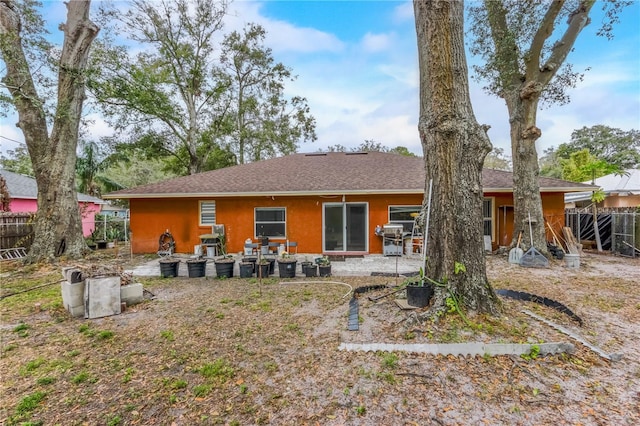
(233, 352)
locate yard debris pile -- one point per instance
(98, 291)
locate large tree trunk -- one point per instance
(526, 188)
(58, 226)
(454, 146)
(521, 86)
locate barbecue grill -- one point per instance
(392, 238)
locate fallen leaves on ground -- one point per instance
(210, 351)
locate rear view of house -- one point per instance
(327, 203)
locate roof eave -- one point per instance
(115, 196)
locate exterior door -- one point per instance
(345, 227)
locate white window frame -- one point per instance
(403, 222)
(255, 223)
(205, 207)
(490, 218)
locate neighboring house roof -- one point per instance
(613, 184)
(26, 188)
(321, 173)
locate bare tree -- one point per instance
(58, 226)
(525, 65)
(455, 147)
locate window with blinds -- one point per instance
(207, 213)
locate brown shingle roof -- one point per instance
(320, 173)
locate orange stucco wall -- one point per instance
(151, 217)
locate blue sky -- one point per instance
(356, 64)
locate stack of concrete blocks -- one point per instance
(96, 297)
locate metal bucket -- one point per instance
(572, 260)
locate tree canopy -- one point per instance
(192, 95)
(525, 46)
(370, 145)
(618, 148)
(614, 146)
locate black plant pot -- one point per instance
(310, 270)
(252, 260)
(325, 270)
(419, 296)
(101, 245)
(287, 269)
(246, 270)
(272, 266)
(224, 269)
(169, 268)
(196, 268)
(263, 270)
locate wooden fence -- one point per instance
(16, 230)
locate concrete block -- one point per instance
(73, 297)
(131, 294)
(73, 275)
(102, 297)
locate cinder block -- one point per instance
(73, 275)
(131, 294)
(73, 297)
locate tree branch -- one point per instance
(544, 32)
(578, 19)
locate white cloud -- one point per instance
(281, 36)
(376, 42)
(11, 135)
(403, 13)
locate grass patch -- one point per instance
(26, 406)
(219, 369)
(32, 366)
(201, 390)
(43, 381)
(83, 377)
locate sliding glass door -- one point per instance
(345, 227)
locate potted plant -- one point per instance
(169, 267)
(196, 267)
(263, 268)
(310, 270)
(91, 243)
(306, 262)
(224, 264)
(419, 291)
(287, 265)
(324, 266)
(246, 269)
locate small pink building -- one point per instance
(23, 191)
